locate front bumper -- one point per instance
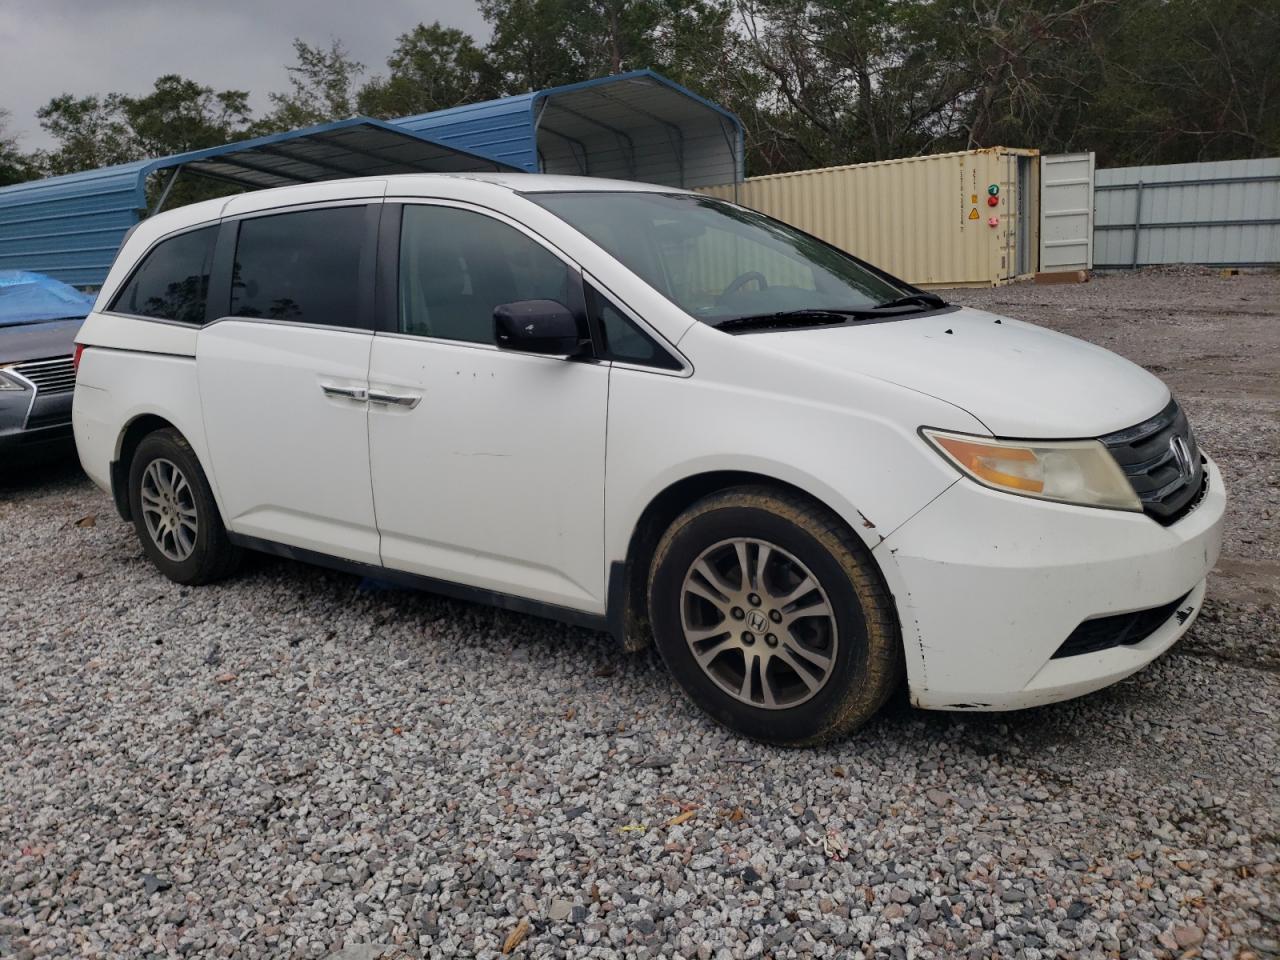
(990, 585)
(33, 423)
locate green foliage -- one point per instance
(15, 166)
(1137, 81)
(432, 67)
(323, 86)
(816, 82)
(181, 115)
(528, 49)
(91, 132)
(1183, 80)
(176, 116)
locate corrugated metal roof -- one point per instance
(632, 126)
(502, 129)
(359, 147)
(70, 227)
(637, 125)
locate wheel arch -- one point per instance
(127, 443)
(628, 579)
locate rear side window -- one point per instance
(172, 282)
(303, 267)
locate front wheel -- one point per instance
(174, 511)
(772, 616)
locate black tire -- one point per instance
(212, 555)
(868, 663)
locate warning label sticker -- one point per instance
(973, 214)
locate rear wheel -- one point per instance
(772, 616)
(174, 511)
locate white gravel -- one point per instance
(291, 765)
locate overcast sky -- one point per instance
(48, 47)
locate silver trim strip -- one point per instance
(408, 400)
(358, 394)
(26, 417)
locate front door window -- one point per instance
(456, 266)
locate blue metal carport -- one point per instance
(70, 227)
(632, 126)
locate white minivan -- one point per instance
(655, 413)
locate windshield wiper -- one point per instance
(913, 299)
(791, 318)
(820, 316)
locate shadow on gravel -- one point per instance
(1106, 727)
(388, 603)
(49, 470)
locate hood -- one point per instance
(37, 341)
(1019, 379)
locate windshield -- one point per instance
(720, 262)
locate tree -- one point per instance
(181, 115)
(91, 132)
(528, 48)
(15, 166)
(1206, 89)
(1035, 67)
(323, 85)
(432, 68)
(544, 43)
(176, 116)
(815, 82)
(1137, 81)
(857, 80)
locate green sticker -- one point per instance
(994, 189)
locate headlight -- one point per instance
(1082, 472)
(8, 382)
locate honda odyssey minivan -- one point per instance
(655, 413)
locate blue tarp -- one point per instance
(27, 297)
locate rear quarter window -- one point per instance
(172, 281)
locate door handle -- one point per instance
(407, 400)
(348, 393)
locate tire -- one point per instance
(799, 692)
(183, 554)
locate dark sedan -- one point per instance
(39, 317)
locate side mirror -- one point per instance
(537, 326)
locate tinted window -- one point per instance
(456, 266)
(625, 341)
(172, 283)
(301, 266)
(716, 260)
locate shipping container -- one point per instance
(964, 219)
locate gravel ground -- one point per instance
(293, 764)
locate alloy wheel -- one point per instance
(169, 509)
(758, 623)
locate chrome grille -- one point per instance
(57, 375)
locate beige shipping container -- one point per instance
(924, 219)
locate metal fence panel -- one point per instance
(1221, 213)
